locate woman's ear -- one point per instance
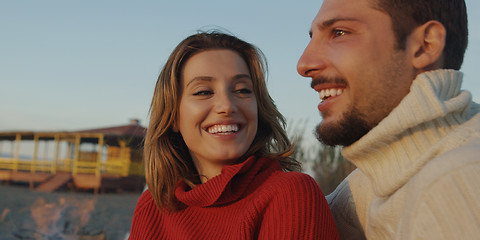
(428, 42)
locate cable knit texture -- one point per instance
(418, 170)
(251, 200)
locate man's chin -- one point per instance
(328, 135)
(343, 132)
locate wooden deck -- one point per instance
(46, 182)
(86, 159)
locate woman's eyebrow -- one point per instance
(240, 76)
(210, 79)
(200, 78)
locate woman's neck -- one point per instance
(207, 170)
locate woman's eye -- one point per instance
(244, 91)
(203, 93)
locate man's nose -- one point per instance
(312, 60)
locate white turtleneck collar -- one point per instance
(410, 135)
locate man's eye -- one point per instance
(203, 93)
(339, 32)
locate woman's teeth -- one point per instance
(326, 93)
(223, 128)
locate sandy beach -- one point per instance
(26, 214)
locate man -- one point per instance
(387, 75)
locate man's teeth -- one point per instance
(223, 128)
(332, 92)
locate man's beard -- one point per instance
(346, 131)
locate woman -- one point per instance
(217, 156)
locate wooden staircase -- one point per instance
(55, 182)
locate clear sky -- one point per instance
(70, 65)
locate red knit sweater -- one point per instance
(251, 200)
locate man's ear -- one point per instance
(428, 42)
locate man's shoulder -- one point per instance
(443, 195)
(463, 153)
(452, 173)
(455, 161)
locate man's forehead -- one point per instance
(331, 5)
(345, 9)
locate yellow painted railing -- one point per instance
(117, 161)
(121, 167)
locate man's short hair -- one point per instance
(409, 14)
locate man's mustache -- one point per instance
(322, 80)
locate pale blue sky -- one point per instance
(68, 65)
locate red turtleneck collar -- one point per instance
(227, 187)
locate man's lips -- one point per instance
(329, 90)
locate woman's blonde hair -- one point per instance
(167, 159)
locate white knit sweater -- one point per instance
(418, 173)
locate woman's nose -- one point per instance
(225, 103)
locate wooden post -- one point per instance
(56, 139)
(77, 154)
(123, 155)
(68, 157)
(33, 165)
(18, 138)
(99, 154)
(45, 152)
